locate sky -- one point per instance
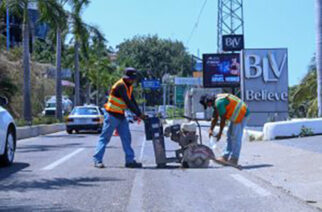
(268, 24)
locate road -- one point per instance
(55, 173)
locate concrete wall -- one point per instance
(33, 131)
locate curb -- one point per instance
(33, 131)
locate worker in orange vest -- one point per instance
(228, 107)
(120, 98)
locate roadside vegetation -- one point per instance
(71, 43)
(303, 100)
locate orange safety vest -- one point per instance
(115, 104)
(236, 109)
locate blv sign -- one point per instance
(264, 84)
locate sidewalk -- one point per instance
(294, 165)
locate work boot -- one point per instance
(233, 161)
(133, 164)
(222, 161)
(99, 165)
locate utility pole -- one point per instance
(8, 26)
(230, 20)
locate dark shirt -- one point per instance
(120, 92)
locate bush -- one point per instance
(38, 121)
(15, 54)
(175, 112)
(41, 86)
(306, 132)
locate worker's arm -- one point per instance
(222, 125)
(213, 122)
(142, 116)
(131, 104)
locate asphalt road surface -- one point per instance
(55, 173)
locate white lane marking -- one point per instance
(136, 197)
(142, 150)
(256, 188)
(62, 160)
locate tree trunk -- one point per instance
(59, 108)
(77, 79)
(318, 7)
(26, 70)
(33, 35)
(88, 93)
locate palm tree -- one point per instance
(80, 33)
(20, 8)
(318, 6)
(53, 13)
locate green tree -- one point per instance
(303, 97)
(53, 13)
(81, 35)
(155, 57)
(99, 71)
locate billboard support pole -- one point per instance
(175, 99)
(164, 99)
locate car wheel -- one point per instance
(69, 131)
(7, 158)
(99, 131)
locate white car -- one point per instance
(7, 135)
(85, 118)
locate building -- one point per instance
(37, 30)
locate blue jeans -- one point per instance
(110, 124)
(234, 139)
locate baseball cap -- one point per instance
(205, 99)
(130, 73)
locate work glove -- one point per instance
(143, 116)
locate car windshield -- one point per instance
(85, 111)
(51, 105)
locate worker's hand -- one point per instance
(218, 136)
(143, 116)
(211, 133)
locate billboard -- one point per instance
(221, 70)
(232, 42)
(265, 84)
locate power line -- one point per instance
(195, 26)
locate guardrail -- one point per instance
(33, 131)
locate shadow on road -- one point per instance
(41, 147)
(8, 205)
(56, 183)
(257, 166)
(63, 136)
(168, 167)
(5, 172)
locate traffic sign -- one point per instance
(152, 84)
(180, 91)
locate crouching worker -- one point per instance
(120, 98)
(228, 107)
